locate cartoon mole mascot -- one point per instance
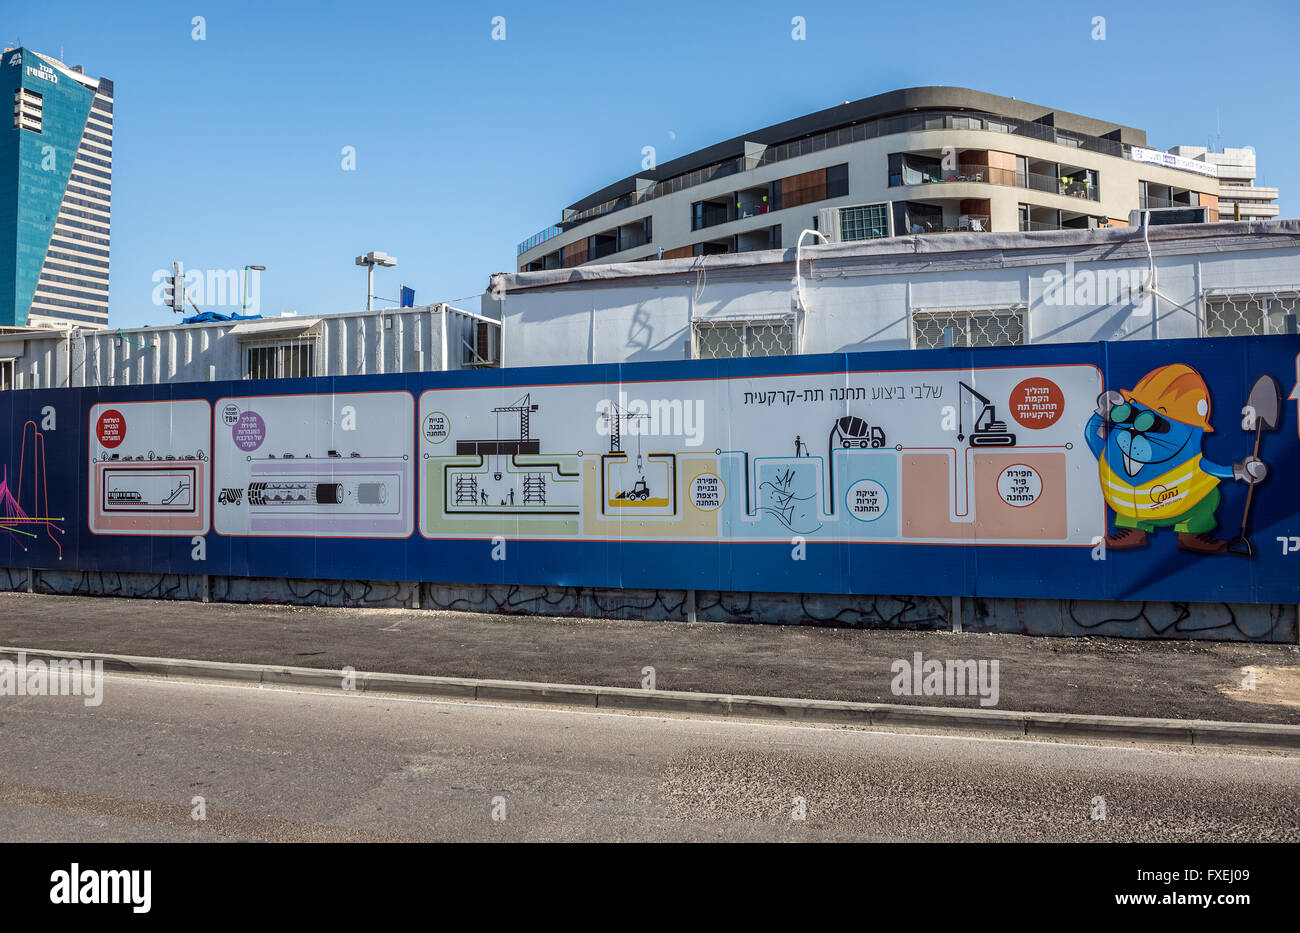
(1147, 442)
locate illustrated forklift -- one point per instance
(987, 431)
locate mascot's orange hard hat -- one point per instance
(1176, 390)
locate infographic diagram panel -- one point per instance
(315, 465)
(1010, 472)
(150, 468)
(955, 456)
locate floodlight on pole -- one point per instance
(370, 260)
(247, 269)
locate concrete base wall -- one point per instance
(1202, 621)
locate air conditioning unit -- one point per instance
(481, 346)
(828, 223)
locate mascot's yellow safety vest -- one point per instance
(1168, 495)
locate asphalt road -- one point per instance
(1103, 676)
(304, 766)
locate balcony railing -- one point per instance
(631, 241)
(602, 248)
(968, 173)
(1067, 187)
(1074, 187)
(1149, 202)
(716, 214)
(537, 239)
(966, 223)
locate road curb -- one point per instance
(1191, 732)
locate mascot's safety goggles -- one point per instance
(1145, 420)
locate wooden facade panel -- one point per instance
(804, 188)
(575, 254)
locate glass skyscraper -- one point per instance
(55, 189)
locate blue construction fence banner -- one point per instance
(1161, 470)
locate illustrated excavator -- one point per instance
(987, 431)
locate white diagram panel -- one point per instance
(315, 465)
(150, 470)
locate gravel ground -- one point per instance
(1104, 676)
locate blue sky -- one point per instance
(228, 150)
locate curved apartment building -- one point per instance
(918, 160)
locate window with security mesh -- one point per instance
(728, 339)
(988, 327)
(292, 360)
(864, 222)
(1263, 311)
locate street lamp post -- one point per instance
(247, 269)
(370, 260)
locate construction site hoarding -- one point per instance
(1146, 470)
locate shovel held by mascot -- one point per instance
(1147, 441)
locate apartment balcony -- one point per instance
(1250, 210)
(738, 205)
(1247, 192)
(964, 223)
(911, 169)
(951, 215)
(980, 174)
(1035, 217)
(601, 245)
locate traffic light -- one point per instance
(174, 288)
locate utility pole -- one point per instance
(370, 260)
(247, 272)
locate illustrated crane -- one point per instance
(616, 416)
(523, 406)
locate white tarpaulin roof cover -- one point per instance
(930, 253)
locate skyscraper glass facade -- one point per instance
(56, 165)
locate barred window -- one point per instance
(864, 222)
(739, 338)
(1259, 311)
(290, 360)
(983, 327)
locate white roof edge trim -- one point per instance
(976, 248)
(273, 326)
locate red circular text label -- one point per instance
(111, 428)
(1037, 403)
